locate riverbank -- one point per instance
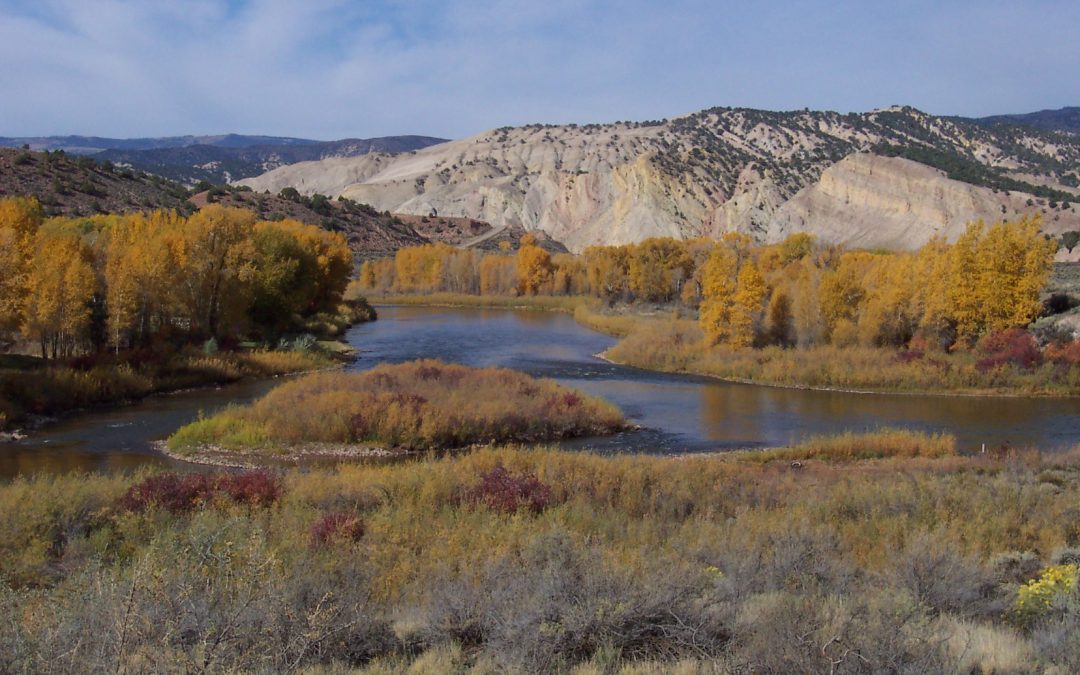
(508, 559)
(660, 339)
(36, 391)
(545, 303)
(677, 346)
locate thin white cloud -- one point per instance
(332, 68)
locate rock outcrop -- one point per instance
(763, 173)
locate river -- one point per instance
(679, 413)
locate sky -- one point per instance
(329, 69)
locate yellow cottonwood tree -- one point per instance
(718, 294)
(964, 286)
(140, 276)
(841, 291)
(59, 291)
(214, 260)
(534, 270)
(746, 305)
(1015, 261)
(498, 275)
(780, 326)
(20, 220)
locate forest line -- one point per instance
(795, 293)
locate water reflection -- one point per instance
(679, 413)
(691, 413)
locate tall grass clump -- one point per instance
(423, 404)
(881, 444)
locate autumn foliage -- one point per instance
(178, 493)
(74, 285)
(424, 404)
(796, 292)
(502, 490)
(336, 526)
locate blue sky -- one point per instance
(333, 68)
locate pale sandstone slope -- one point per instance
(889, 202)
(766, 174)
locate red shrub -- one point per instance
(1015, 346)
(501, 490)
(571, 399)
(179, 493)
(336, 526)
(1066, 354)
(908, 355)
(257, 488)
(429, 372)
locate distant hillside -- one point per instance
(1063, 119)
(79, 186)
(217, 159)
(94, 144)
(217, 164)
(371, 234)
(893, 177)
(472, 233)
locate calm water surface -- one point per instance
(679, 413)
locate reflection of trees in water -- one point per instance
(752, 415)
(734, 415)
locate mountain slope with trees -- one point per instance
(1062, 119)
(216, 159)
(721, 170)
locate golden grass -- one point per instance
(424, 404)
(676, 345)
(848, 447)
(740, 539)
(54, 389)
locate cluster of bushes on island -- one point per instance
(811, 559)
(419, 405)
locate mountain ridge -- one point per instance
(1059, 119)
(716, 171)
(217, 159)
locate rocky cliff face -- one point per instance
(763, 173)
(889, 202)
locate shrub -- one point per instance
(1015, 567)
(180, 493)
(1014, 346)
(1069, 555)
(256, 488)
(908, 355)
(1037, 598)
(1067, 354)
(336, 526)
(423, 404)
(501, 490)
(939, 577)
